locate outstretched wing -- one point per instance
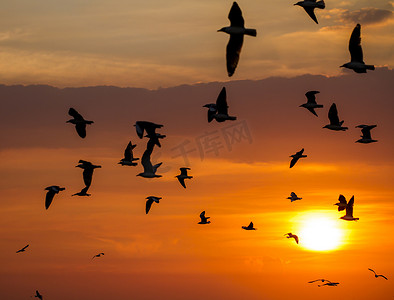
(293, 161)
(81, 129)
(184, 171)
(127, 152)
(49, 197)
(356, 52)
(310, 95)
(333, 115)
(235, 16)
(233, 51)
(182, 181)
(148, 205)
(72, 112)
(87, 176)
(311, 12)
(349, 207)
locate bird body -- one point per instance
(296, 157)
(293, 197)
(150, 201)
(52, 191)
(98, 255)
(349, 211)
(88, 169)
(335, 124)
(181, 177)
(309, 6)
(128, 159)
(290, 235)
(249, 227)
(79, 122)
(366, 134)
(204, 219)
(311, 102)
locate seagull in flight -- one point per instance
(311, 102)
(128, 159)
(334, 120)
(204, 219)
(293, 197)
(349, 211)
(212, 110)
(149, 169)
(356, 53)
(23, 249)
(290, 235)
(366, 131)
(296, 157)
(52, 191)
(88, 169)
(79, 122)
(181, 177)
(38, 295)
(98, 255)
(83, 192)
(328, 282)
(150, 201)
(342, 203)
(150, 129)
(249, 227)
(309, 6)
(219, 111)
(236, 30)
(376, 275)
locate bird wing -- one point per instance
(145, 160)
(184, 171)
(300, 152)
(342, 199)
(81, 129)
(182, 181)
(310, 95)
(148, 205)
(202, 216)
(333, 115)
(372, 271)
(349, 207)
(72, 112)
(127, 152)
(312, 110)
(139, 129)
(49, 197)
(311, 12)
(293, 194)
(233, 52)
(366, 131)
(221, 102)
(87, 176)
(84, 190)
(250, 225)
(383, 276)
(293, 161)
(356, 52)
(25, 247)
(235, 16)
(295, 238)
(322, 280)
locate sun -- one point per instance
(320, 231)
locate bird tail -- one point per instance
(370, 67)
(320, 4)
(232, 118)
(251, 32)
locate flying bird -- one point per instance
(293, 197)
(149, 202)
(328, 282)
(150, 129)
(128, 159)
(349, 211)
(23, 249)
(334, 120)
(79, 122)
(52, 191)
(249, 227)
(220, 108)
(38, 295)
(83, 192)
(204, 219)
(366, 131)
(309, 6)
(149, 169)
(212, 110)
(376, 275)
(236, 30)
(342, 203)
(290, 235)
(181, 177)
(296, 157)
(98, 255)
(88, 169)
(356, 53)
(311, 102)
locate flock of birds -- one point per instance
(219, 111)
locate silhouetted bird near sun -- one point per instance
(236, 30)
(149, 169)
(219, 111)
(88, 169)
(334, 120)
(204, 219)
(349, 211)
(342, 203)
(150, 128)
(328, 282)
(79, 122)
(98, 255)
(293, 197)
(309, 6)
(23, 249)
(83, 192)
(366, 131)
(290, 235)
(52, 191)
(150, 201)
(376, 275)
(128, 159)
(249, 227)
(296, 157)
(311, 103)
(181, 177)
(38, 295)
(356, 53)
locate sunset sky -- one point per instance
(125, 61)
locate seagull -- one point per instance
(79, 121)
(38, 295)
(98, 255)
(334, 120)
(356, 53)
(322, 280)
(149, 202)
(212, 110)
(376, 275)
(128, 159)
(311, 103)
(249, 227)
(293, 197)
(83, 192)
(149, 169)
(342, 203)
(88, 169)
(349, 211)
(366, 131)
(221, 107)
(290, 235)
(296, 157)
(309, 6)
(329, 283)
(204, 219)
(23, 249)
(181, 177)
(236, 30)
(150, 128)
(52, 191)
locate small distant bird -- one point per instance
(293, 197)
(328, 282)
(149, 202)
(334, 120)
(366, 131)
(249, 227)
(83, 192)
(150, 129)
(181, 177)
(349, 211)
(23, 249)
(204, 219)
(296, 157)
(311, 103)
(38, 295)
(342, 203)
(236, 30)
(98, 255)
(149, 169)
(88, 169)
(221, 108)
(356, 53)
(310, 5)
(322, 280)
(290, 235)
(128, 159)
(52, 191)
(79, 122)
(376, 275)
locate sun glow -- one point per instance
(320, 231)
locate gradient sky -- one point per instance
(166, 254)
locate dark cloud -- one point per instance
(367, 15)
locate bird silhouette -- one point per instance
(149, 169)
(150, 201)
(219, 111)
(290, 235)
(334, 120)
(309, 6)
(181, 177)
(328, 282)
(38, 295)
(52, 191)
(236, 30)
(349, 211)
(204, 219)
(88, 169)
(249, 227)
(311, 102)
(128, 159)
(296, 157)
(376, 275)
(150, 129)
(79, 122)
(98, 255)
(366, 131)
(23, 249)
(293, 197)
(342, 203)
